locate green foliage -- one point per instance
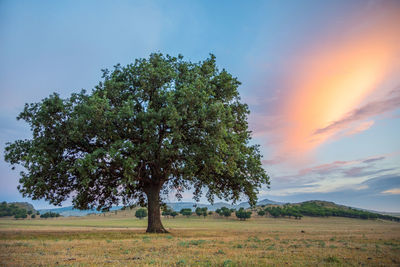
(141, 213)
(224, 211)
(12, 210)
(261, 213)
(201, 211)
(49, 215)
(174, 214)
(161, 122)
(186, 212)
(33, 216)
(167, 211)
(242, 214)
(316, 209)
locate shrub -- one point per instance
(242, 214)
(141, 213)
(261, 213)
(186, 212)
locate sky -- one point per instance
(321, 78)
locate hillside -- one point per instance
(23, 205)
(318, 208)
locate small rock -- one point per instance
(303, 231)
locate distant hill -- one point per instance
(318, 208)
(23, 205)
(70, 211)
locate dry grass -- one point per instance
(121, 241)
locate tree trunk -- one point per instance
(154, 224)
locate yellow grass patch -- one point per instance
(121, 241)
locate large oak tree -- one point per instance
(160, 125)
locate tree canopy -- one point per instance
(160, 124)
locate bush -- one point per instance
(224, 211)
(33, 216)
(141, 213)
(242, 214)
(186, 212)
(49, 215)
(201, 211)
(261, 213)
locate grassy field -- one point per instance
(120, 240)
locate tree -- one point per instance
(186, 212)
(141, 213)
(173, 214)
(261, 213)
(156, 125)
(242, 214)
(33, 216)
(201, 211)
(224, 211)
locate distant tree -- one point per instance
(37, 213)
(20, 214)
(261, 213)
(156, 125)
(210, 213)
(173, 214)
(49, 215)
(29, 212)
(242, 214)
(224, 211)
(141, 213)
(33, 216)
(201, 211)
(166, 213)
(186, 212)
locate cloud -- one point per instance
(359, 174)
(324, 84)
(393, 191)
(369, 110)
(374, 159)
(360, 128)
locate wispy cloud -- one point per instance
(393, 191)
(334, 176)
(367, 111)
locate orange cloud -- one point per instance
(394, 191)
(332, 80)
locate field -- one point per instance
(120, 240)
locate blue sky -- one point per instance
(322, 69)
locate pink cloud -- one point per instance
(372, 109)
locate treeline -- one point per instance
(15, 211)
(317, 210)
(49, 215)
